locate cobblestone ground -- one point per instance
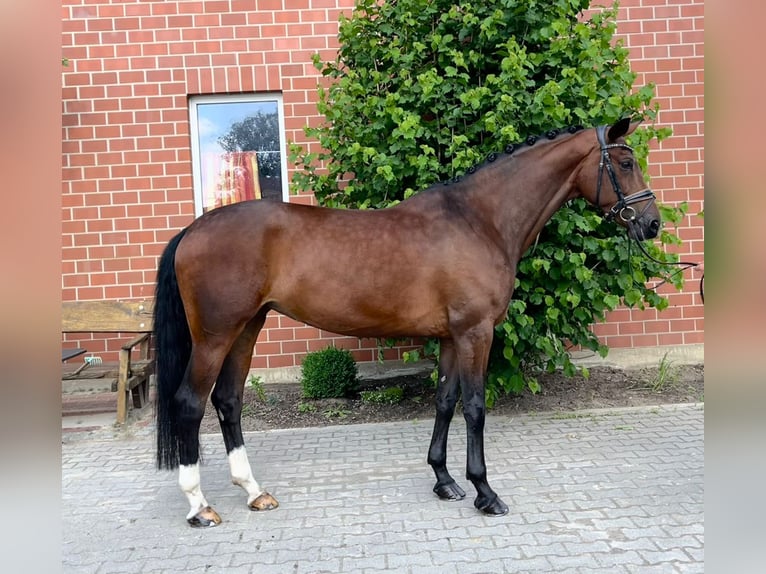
(602, 491)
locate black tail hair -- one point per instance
(172, 341)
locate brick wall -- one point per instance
(666, 42)
(127, 183)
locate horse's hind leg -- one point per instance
(190, 399)
(446, 398)
(227, 400)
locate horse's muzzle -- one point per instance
(644, 228)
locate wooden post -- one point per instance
(122, 387)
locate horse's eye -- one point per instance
(627, 164)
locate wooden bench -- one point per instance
(128, 376)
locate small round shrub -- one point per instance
(328, 373)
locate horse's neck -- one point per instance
(525, 194)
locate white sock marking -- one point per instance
(242, 474)
(189, 481)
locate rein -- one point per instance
(627, 214)
(684, 266)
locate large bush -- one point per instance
(423, 89)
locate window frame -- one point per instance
(252, 97)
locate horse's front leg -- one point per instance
(446, 397)
(473, 354)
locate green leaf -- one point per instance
(611, 301)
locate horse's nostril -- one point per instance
(654, 226)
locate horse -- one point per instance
(439, 264)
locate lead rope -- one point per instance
(684, 266)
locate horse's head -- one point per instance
(617, 186)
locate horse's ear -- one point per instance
(621, 128)
(634, 125)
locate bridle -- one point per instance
(622, 207)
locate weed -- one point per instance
(256, 383)
(667, 375)
(386, 396)
(306, 408)
(272, 400)
(336, 413)
(569, 415)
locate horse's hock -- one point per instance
(129, 377)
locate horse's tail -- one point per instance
(172, 341)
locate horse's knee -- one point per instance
(446, 397)
(474, 413)
(445, 406)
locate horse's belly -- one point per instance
(345, 316)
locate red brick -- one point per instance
(85, 132)
(219, 61)
(656, 326)
(152, 22)
(117, 292)
(258, 363)
(99, 24)
(367, 355)
(90, 293)
(317, 16)
(265, 5)
(126, 51)
(631, 328)
(232, 20)
(645, 341)
(294, 347)
(281, 334)
(277, 361)
(668, 339)
(126, 24)
(693, 10)
(694, 338)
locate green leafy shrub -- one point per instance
(421, 90)
(328, 373)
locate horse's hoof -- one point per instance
(449, 491)
(491, 507)
(264, 502)
(205, 518)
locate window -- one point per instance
(238, 145)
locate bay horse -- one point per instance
(439, 264)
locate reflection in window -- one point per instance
(237, 144)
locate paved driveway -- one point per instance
(606, 491)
